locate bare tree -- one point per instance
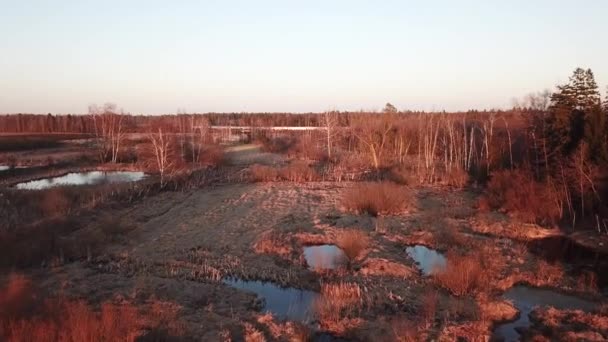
(162, 153)
(330, 121)
(199, 129)
(108, 126)
(374, 134)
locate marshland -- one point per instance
(399, 225)
(303, 171)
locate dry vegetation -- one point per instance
(512, 162)
(383, 198)
(353, 242)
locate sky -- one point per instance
(155, 57)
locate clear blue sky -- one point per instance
(157, 56)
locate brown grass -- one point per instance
(272, 243)
(353, 242)
(298, 172)
(384, 198)
(338, 301)
(294, 172)
(463, 275)
(26, 314)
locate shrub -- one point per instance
(463, 275)
(353, 242)
(298, 172)
(519, 194)
(24, 316)
(377, 198)
(262, 173)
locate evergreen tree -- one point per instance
(574, 107)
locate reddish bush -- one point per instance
(377, 198)
(298, 172)
(263, 173)
(25, 317)
(462, 275)
(519, 194)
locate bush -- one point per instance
(463, 274)
(516, 192)
(377, 198)
(298, 172)
(25, 315)
(337, 301)
(263, 173)
(353, 242)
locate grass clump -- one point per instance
(353, 242)
(377, 198)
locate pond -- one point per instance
(324, 257)
(428, 260)
(83, 178)
(284, 303)
(525, 299)
(4, 167)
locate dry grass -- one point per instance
(252, 334)
(463, 275)
(353, 242)
(295, 172)
(383, 267)
(407, 331)
(272, 243)
(384, 198)
(338, 301)
(26, 314)
(263, 173)
(571, 325)
(298, 172)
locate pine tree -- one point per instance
(570, 112)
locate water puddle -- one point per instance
(83, 178)
(324, 257)
(427, 259)
(284, 303)
(525, 299)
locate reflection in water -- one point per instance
(83, 178)
(526, 298)
(428, 260)
(324, 257)
(284, 303)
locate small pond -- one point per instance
(324, 257)
(285, 303)
(427, 259)
(4, 167)
(83, 178)
(525, 299)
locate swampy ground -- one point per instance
(176, 249)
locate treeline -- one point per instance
(84, 123)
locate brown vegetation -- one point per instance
(25, 315)
(519, 194)
(353, 242)
(337, 302)
(294, 172)
(384, 198)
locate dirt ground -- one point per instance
(176, 247)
